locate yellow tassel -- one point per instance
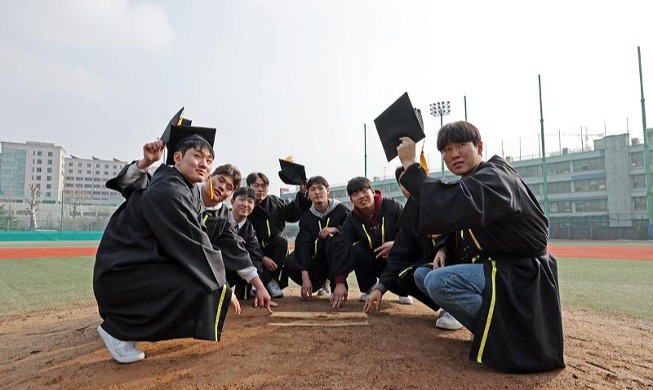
(422, 162)
(179, 121)
(211, 188)
(288, 158)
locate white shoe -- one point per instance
(363, 298)
(325, 290)
(274, 289)
(407, 300)
(121, 351)
(447, 321)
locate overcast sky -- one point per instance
(301, 77)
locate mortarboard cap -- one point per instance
(179, 134)
(398, 120)
(291, 173)
(176, 120)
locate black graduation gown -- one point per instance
(222, 233)
(156, 274)
(355, 231)
(408, 252)
(248, 234)
(308, 245)
(519, 327)
(270, 216)
(126, 192)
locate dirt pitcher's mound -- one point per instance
(399, 349)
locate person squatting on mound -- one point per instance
(510, 301)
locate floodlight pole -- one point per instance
(440, 109)
(545, 189)
(647, 154)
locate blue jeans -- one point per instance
(457, 289)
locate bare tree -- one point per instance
(75, 200)
(33, 202)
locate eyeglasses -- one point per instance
(447, 152)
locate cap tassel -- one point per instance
(211, 188)
(422, 160)
(180, 121)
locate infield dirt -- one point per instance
(400, 349)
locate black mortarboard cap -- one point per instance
(398, 120)
(291, 173)
(176, 120)
(179, 134)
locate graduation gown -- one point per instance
(270, 216)
(248, 234)
(156, 274)
(408, 252)
(519, 327)
(221, 229)
(355, 231)
(308, 245)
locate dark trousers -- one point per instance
(241, 288)
(276, 249)
(366, 266)
(318, 272)
(405, 285)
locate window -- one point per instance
(639, 203)
(39, 161)
(560, 207)
(589, 164)
(638, 181)
(39, 153)
(589, 185)
(48, 186)
(49, 162)
(49, 154)
(591, 205)
(38, 177)
(536, 189)
(562, 187)
(558, 168)
(531, 171)
(38, 169)
(49, 170)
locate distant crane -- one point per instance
(584, 137)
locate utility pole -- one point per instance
(647, 153)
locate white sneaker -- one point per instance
(407, 300)
(363, 298)
(121, 351)
(447, 321)
(325, 290)
(274, 289)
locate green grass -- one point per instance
(621, 287)
(35, 284)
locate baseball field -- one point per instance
(48, 318)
